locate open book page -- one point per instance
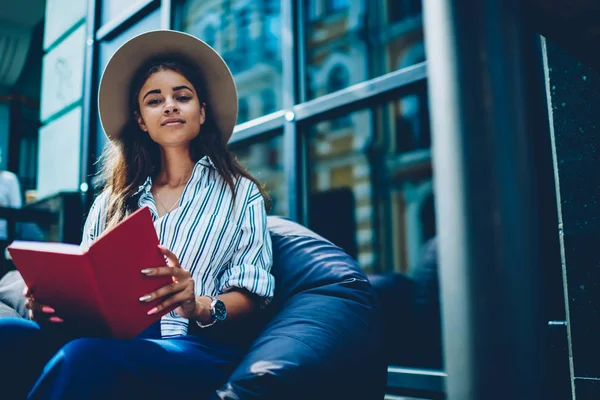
(47, 247)
(61, 280)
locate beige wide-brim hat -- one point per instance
(113, 96)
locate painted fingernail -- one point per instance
(55, 319)
(153, 311)
(147, 271)
(48, 310)
(146, 297)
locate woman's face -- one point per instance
(170, 110)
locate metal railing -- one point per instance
(15, 216)
(25, 224)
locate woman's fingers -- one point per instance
(41, 312)
(165, 271)
(176, 299)
(36, 307)
(166, 290)
(27, 292)
(180, 292)
(172, 260)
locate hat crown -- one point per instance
(114, 99)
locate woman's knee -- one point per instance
(85, 356)
(85, 368)
(86, 351)
(13, 330)
(19, 350)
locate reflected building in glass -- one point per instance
(359, 162)
(246, 34)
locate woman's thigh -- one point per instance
(109, 368)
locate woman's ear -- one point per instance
(140, 121)
(202, 113)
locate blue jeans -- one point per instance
(48, 362)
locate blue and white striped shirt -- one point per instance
(224, 244)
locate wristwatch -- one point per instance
(218, 312)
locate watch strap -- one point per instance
(213, 318)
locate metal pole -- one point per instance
(88, 122)
(289, 51)
(487, 197)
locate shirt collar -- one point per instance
(207, 162)
(146, 186)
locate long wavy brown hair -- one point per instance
(130, 159)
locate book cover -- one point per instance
(98, 288)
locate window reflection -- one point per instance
(370, 185)
(264, 160)
(246, 33)
(365, 38)
(111, 9)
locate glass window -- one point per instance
(333, 6)
(107, 49)
(246, 34)
(370, 191)
(61, 15)
(264, 160)
(62, 72)
(370, 186)
(367, 38)
(268, 101)
(338, 79)
(210, 35)
(111, 9)
(243, 109)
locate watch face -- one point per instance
(220, 311)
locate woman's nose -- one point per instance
(170, 107)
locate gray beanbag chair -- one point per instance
(12, 301)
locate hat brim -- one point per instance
(113, 94)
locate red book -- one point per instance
(98, 288)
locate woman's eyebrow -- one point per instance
(176, 88)
(151, 92)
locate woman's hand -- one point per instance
(181, 292)
(39, 313)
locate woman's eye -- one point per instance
(183, 98)
(153, 101)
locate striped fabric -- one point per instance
(224, 244)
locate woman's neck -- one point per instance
(177, 167)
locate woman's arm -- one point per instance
(250, 266)
(239, 303)
(95, 221)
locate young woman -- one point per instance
(168, 104)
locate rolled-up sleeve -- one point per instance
(253, 257)
(95, 221)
